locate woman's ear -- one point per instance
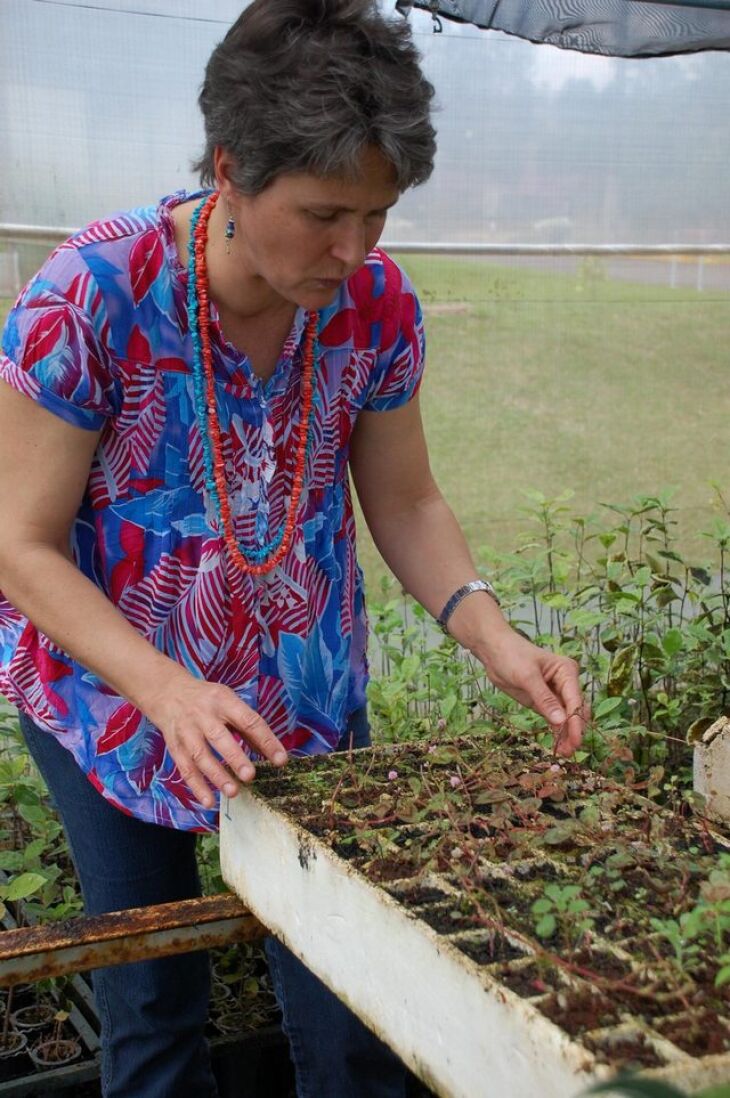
(223, 166)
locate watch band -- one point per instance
(458, 596)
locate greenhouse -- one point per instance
(364, 549)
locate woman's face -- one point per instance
(304, 235)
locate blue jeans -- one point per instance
(153, 1013)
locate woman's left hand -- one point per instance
(542, 680)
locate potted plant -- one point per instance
(57, 1050)
(12, 1043)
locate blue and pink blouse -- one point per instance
(100, 337)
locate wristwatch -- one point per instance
(458, 596)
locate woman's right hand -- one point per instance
(196, 719)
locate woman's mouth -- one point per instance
(328, 283)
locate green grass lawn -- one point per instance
(551, 381)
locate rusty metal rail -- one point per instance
(36, 952)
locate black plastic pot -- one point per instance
(12, 1054)
(29, 1018)
(53, 1054)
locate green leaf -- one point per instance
(672, 642)
(555, 599)
(490, 796)
(636, 1088)
(447, 705)
(443, 756)
(584, 619)
(669, 554)
(723, 976)
(542, 906)
(556, 836)
(34, 849)
(409, 668)
(621, 670)
(546, 926)
(11, 860)
(607, 706)
(33, 813)
(664, 596)
(24, 885)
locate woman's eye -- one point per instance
(320, 216)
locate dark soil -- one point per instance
(489, 950)
(57, 1052)
(420, 894)
(446, 918)
(34, 1017)
(657, 1003)
(601, 963)
(347, 850)
(13, 1044)
(578, 1011)
(505, 892)
(530, 981)
(557, 810)
(699, 1035)
(536, 871)
(391, 869)
(626, 1053)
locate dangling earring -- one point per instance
(230, 231)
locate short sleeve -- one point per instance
(55, 345)
(398, 370)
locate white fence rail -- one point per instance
(15, 236)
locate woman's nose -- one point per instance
(350, 245)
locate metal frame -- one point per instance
(76, 945)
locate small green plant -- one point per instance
(626, 1086)
(682, 935)
(705, 927)
(723, 974)
(562, 909)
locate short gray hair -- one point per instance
(306, 85)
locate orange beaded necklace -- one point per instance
(265, 558)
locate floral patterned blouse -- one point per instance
(100, 337)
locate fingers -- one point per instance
(562, 706)
(204, 748)
(566, 683)
(200, 770)
(255, 731)
(233, 755)
(545, 702)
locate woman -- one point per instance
(185, 390)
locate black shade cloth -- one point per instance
(615, 28)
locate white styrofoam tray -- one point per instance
(448, 1018)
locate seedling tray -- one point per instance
(405, 878)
